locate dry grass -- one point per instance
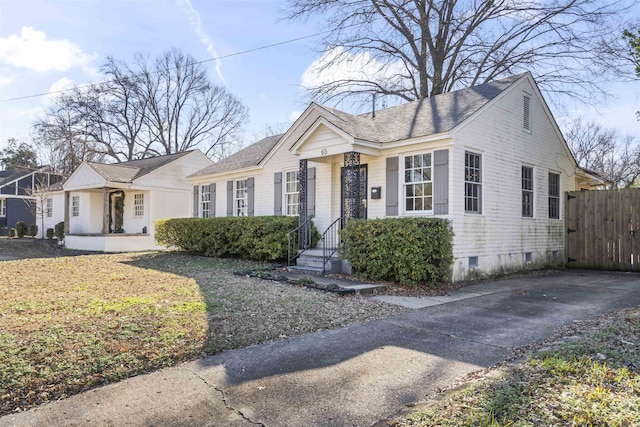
(588, 380)
(71, 323)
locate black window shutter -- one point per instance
(250, 196)
(195, 200)
(392, 186)
(212, 204)
(229, 198)
(277, 193)
(441, 182)
(311, 192)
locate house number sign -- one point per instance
(323, 152)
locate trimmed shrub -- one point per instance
(21, 228)
(411, 251)
(260, 238)
(59, 230)
(13, 232)
(50, 233)
(33, 230)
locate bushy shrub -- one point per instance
(13, 232)
(33, 230)
(59, 230)
(411, 251)
(21, 228)
(50, 233)
(260, 238)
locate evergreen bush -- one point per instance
(59, 230)
(13, 232)
(260, 238)
(33, 230)
(412, 251)
(50, 233)
(21, 228)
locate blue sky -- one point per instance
(47, 44)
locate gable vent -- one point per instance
(526, 122)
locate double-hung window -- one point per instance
(472, 183)
(291, 192)
(138, 205)
(527, 191)
(75, 206)
(554, 195)
(3, 207)
(241, 198)
(49, 208)
(418, 185)
(205, 201)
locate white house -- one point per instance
(112, 207)
(489, 158)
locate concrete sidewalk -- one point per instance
(353, 376)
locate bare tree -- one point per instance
(141, 110)
(604, 151)
(415, 49)
(63, 139)
(37, 203)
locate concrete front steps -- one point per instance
(310, 262)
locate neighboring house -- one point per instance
(112, 207)
(490, 158)
(17, 189)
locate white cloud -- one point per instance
(336, 64)
(293, 116)
(4, 81)
(194, 19)
(33, 50)
(58, 86)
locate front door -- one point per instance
(354, 200)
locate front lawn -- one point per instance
(71, 323)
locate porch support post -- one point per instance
(352, 197)
(105, 210)
(66, 212)
(302, 207)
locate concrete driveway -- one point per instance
(353, 376)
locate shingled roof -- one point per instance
(427, 116)
(126, 172)
(247, 157)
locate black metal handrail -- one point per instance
(298, 241)
(330, 242)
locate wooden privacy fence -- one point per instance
(603, 229)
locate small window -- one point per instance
(49, 208)
(138, 205)
(554, 195)
(205, 201)
(241, 198)
(291, 191)
(528, 257)
(473, 261)
(75, 206)
(527, 191)
(472, 183)
(418, 186)
(554, 254)
(3, 207)
(526, 113)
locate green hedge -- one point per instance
(260, 238)
(411, 251)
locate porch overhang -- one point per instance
(586, 179)
(309, 148)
